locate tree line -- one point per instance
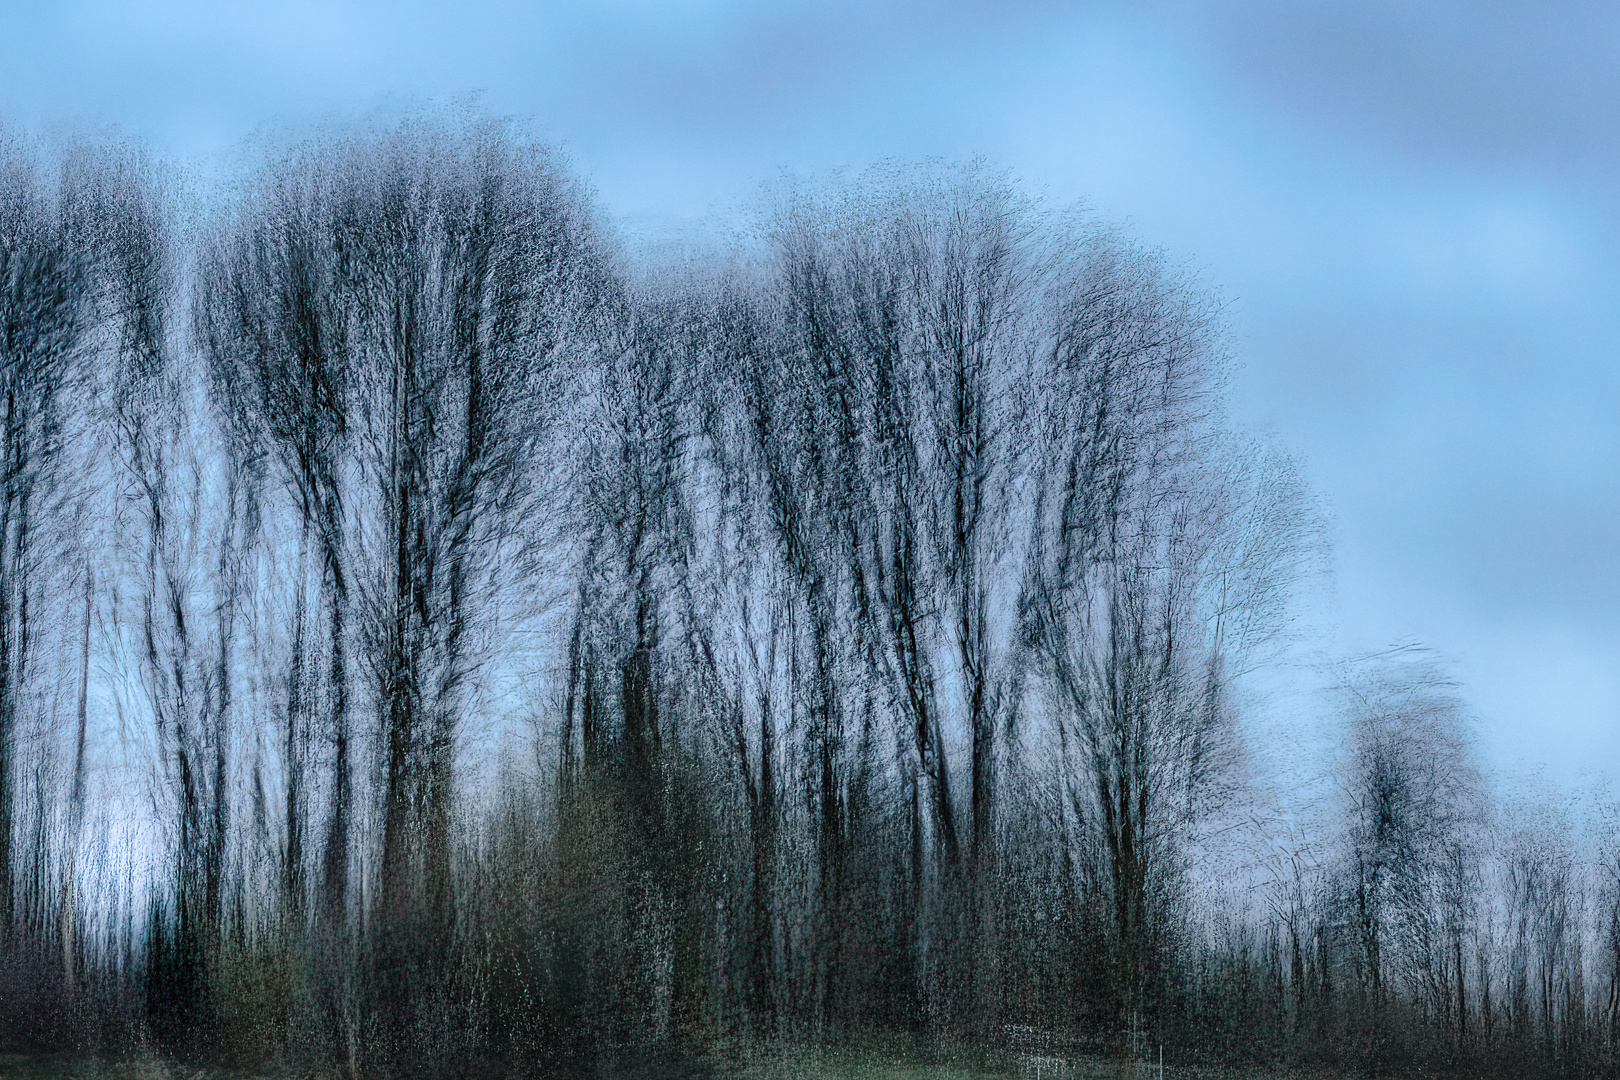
(436, 639)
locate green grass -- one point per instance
(878, 1063)
(787, 1063)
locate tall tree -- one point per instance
(392, 322)
(1413, 810)
(1156, 564)
(47, 298)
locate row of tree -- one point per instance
(434, 641)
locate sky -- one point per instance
(1411, 208)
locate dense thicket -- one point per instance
(433, 643)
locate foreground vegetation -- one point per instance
(435, 643)
(778, 1064)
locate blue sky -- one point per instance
(1411, 207)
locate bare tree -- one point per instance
(1414, 810)
(185, 561)
(907, 325)
(47, 300)
(1156, 566)
(388, 323)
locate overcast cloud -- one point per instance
(1412, 208)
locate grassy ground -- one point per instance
(832, 1064)
(787, 1064)
(59, 1067)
